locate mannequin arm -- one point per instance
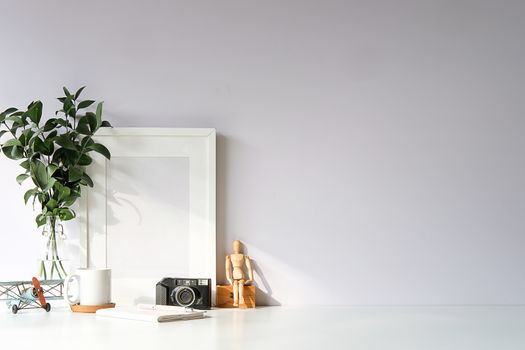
(250, 269)
(228, 269)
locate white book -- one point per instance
(151, 313)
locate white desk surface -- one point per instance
(272, 328)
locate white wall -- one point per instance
(370, 152)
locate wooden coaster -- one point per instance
(90, 309)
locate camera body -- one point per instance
(187, 292)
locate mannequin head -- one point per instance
(237, 247)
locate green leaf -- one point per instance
(65, 142)
(50, 124)
(17, 121)
(49, 147)
(86, 180)
(106, 124)
(38, 145)
(50, 184)
(85, 160)
(60, 156)
(45, 147)
(85, 104)
(99, 148)
(64, 193)
(51, 136)
(13, 149)
(72, 112)
(83, 126)
(66, 91)
(51, 168)
(12, 142)
(63, 122)
(6, 113)
(2, 132)
(23, 139)
(26, 136)
(92, 121)
(58, 187)
(51, 204)
(42, 197)
(66, 214)
(29, 133)
(9, 111)
(35, 112)
(39, 174)
(17, 153)
(29, 194)
(75, 174)
(68, 104)
(25, 164)
(86, 142)
(7, 151)
(21, 178)
(70, 158)
(71, 199)
(13, 152)
(40, 220)
(98, 114)
(79, 91)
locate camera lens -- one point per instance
(184, 296)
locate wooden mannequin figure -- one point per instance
(237, 277)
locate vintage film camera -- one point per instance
(188, 292)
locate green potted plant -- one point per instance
(54, 154)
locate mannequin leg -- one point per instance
(241, 292)
(235, 293)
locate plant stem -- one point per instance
(62, 267)
(11, 131)
(74, 118)
(52, 253)
(58, 271)
(43, 270)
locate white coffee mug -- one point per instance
(94, 287)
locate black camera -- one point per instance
(188, 292)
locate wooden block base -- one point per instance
(225, 297)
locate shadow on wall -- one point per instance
(221, 246)
(263, 291)
(263, 297)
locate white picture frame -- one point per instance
(125, 228)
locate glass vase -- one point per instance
(51, 266)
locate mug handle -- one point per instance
(75, 299)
